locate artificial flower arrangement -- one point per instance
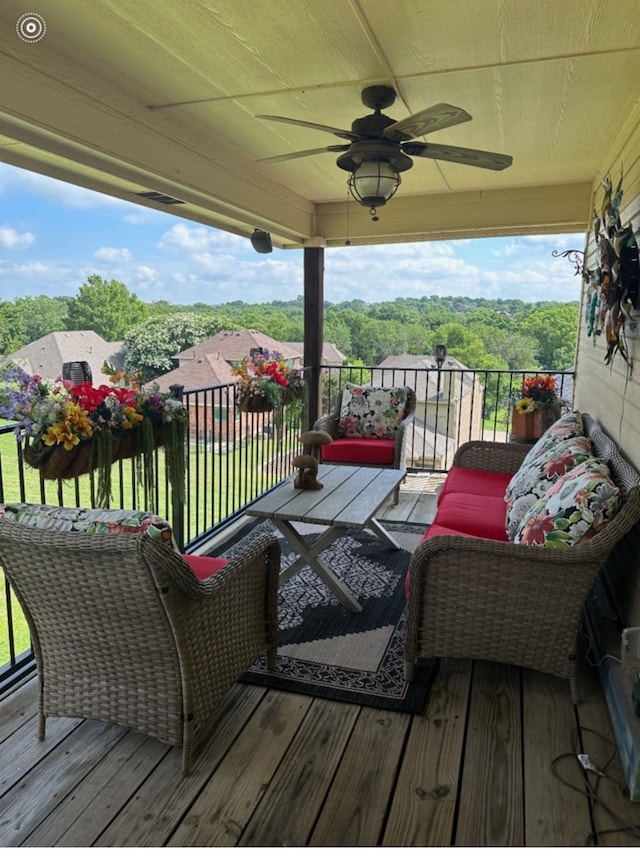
(536, 393)
(265, 382)
(70, 429)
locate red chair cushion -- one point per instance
(204, 567)
(481, 516)
(365, 451)
(470, 481)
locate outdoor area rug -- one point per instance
(324, 649)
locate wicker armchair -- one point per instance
(124, 632)
(366, 452)
(511, 603)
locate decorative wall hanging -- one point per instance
(611, 302)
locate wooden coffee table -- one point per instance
(349, 499)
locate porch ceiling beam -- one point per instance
(488, 213)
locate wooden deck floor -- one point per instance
(490, 762)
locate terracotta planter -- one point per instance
(528, 426)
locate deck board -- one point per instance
(475, 768)
(294, 797)
(356, 806)
(490, 810)
(424, 802)
(555, 815)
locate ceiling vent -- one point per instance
(162, 198)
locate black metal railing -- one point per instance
(234, 457)
(454, 404)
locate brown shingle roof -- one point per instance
(46, 355)
(233, 345)
(205, 370)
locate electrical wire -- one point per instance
(589, 770)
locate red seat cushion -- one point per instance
(471, 481)
(368, 450)
(204, 567)
(482, 516)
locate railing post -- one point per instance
(177, 505)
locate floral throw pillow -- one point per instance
(533, 479)
(368, 411)
(574, 509)
(567, 426)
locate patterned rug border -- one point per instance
(382, 688)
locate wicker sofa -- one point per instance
(473, 593)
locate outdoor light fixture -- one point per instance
(374, 167)
(441, 353)
(372, 184)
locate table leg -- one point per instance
(309, 555)
(386, 537)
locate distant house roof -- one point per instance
(46, 355)
(233, 345)
(408, 370)
(205, 370)
(331, 356)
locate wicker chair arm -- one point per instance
(263, 553)
(488, 455)
(327, 423)
(497, 601)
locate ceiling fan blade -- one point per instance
(339, 132)
(293, 155)
(426, 121)
(456, 154)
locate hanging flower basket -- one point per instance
(266, 383)
(262, 403)
(55, 462)
(254, 404)
(70, 430)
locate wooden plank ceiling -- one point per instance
(129, 97)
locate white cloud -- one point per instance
(61, 192)
(32, 268)
(200, 239)
(144, 273)
(113, 254)
(12, 240)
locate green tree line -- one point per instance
(481, 333)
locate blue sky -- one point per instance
(53, 235)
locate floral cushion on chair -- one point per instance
(99, 520)
(535, 477)
(368, 411)
(574, 509)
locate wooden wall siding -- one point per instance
(611, 393)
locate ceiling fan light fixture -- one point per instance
(373, 183)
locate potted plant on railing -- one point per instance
(71, 429)
(266, 382)
(537, 408)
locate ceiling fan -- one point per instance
(379, 148)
